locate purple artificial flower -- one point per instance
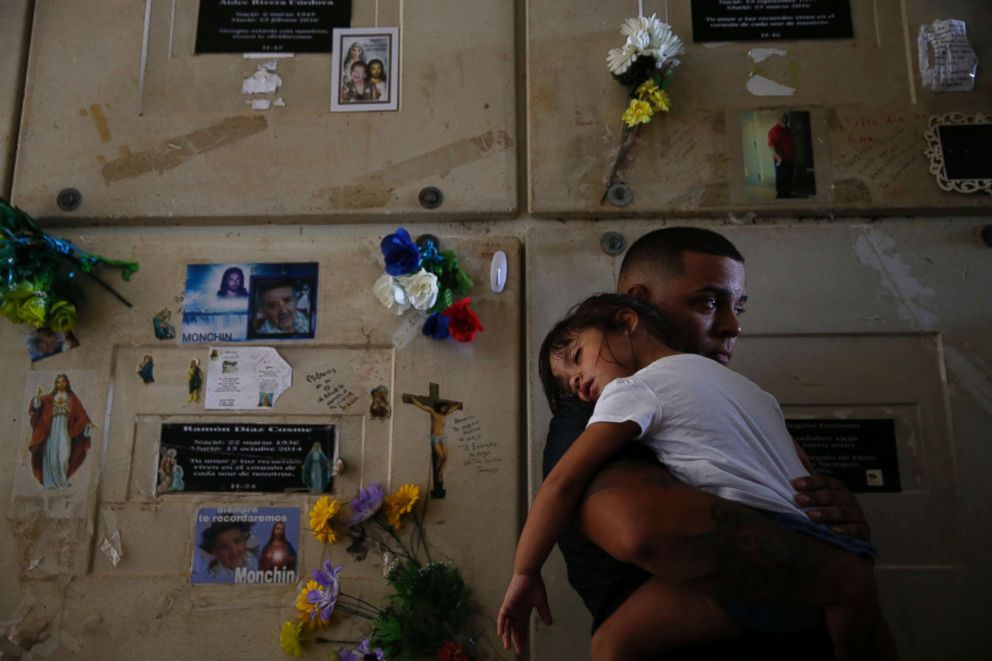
(436, 327)
(326, 596)
(366, 503)
(401, 253)
(371, 654)
(363, 653)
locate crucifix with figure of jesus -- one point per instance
(438, 409)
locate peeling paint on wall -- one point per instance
(377, 186)
(176, 151)
(874, 249)
(100, 120)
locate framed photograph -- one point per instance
(778, 154)
(249, 301)
(959, 148)
(365, 69)
(280, 307)
(245, 545)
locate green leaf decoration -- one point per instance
(38, 273)
(431, 604)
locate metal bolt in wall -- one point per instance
(430, 197)
(613, 243)
(69, 199)
(620, 195)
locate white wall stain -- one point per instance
(874, 249)
(970, 377)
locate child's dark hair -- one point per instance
(600, 312)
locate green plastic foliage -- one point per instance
(38, 273)
(431, 604)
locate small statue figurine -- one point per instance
(145, 369)
(161, 323)
(194, 377)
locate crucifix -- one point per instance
(438, 409)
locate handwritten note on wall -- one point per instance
(478, 453)
(878, 148)
(330, 391)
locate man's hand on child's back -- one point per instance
(833, 504)
(525, 592)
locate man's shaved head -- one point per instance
(658, 255)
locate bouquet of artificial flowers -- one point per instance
(38, 273)
(644, 64)
(429, 608)
(423, 277)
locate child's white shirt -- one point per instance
(712, 428)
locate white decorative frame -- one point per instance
(935, 153)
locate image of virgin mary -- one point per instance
(60, 434)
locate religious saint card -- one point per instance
(58, 445)
(238, 302)
(246, 545)
(245, 378)
(365, 69)
(778, 155)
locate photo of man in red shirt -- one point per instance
(783, 146)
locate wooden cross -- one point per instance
(438, 409)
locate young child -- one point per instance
(714, 430)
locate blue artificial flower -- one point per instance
(436, 327)
(429, 253)
(325, 597)
(401, 253)
(366, 503)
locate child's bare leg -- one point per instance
(659, 617)
(853, 615)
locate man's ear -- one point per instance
(640, 292)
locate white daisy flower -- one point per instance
(618, 60)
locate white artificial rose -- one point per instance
(391, 294)
(421, 289)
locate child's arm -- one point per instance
(554, 505)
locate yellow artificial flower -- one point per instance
(320, 519)
(400, 503)
(289, 638)
(660, 101)
(646, 89)
(62, 316)
(638, 112)
(309, 612)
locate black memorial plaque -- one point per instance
(967, 150)
(861, 453)
(753, 20)
(269, 26)
(228, 457)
